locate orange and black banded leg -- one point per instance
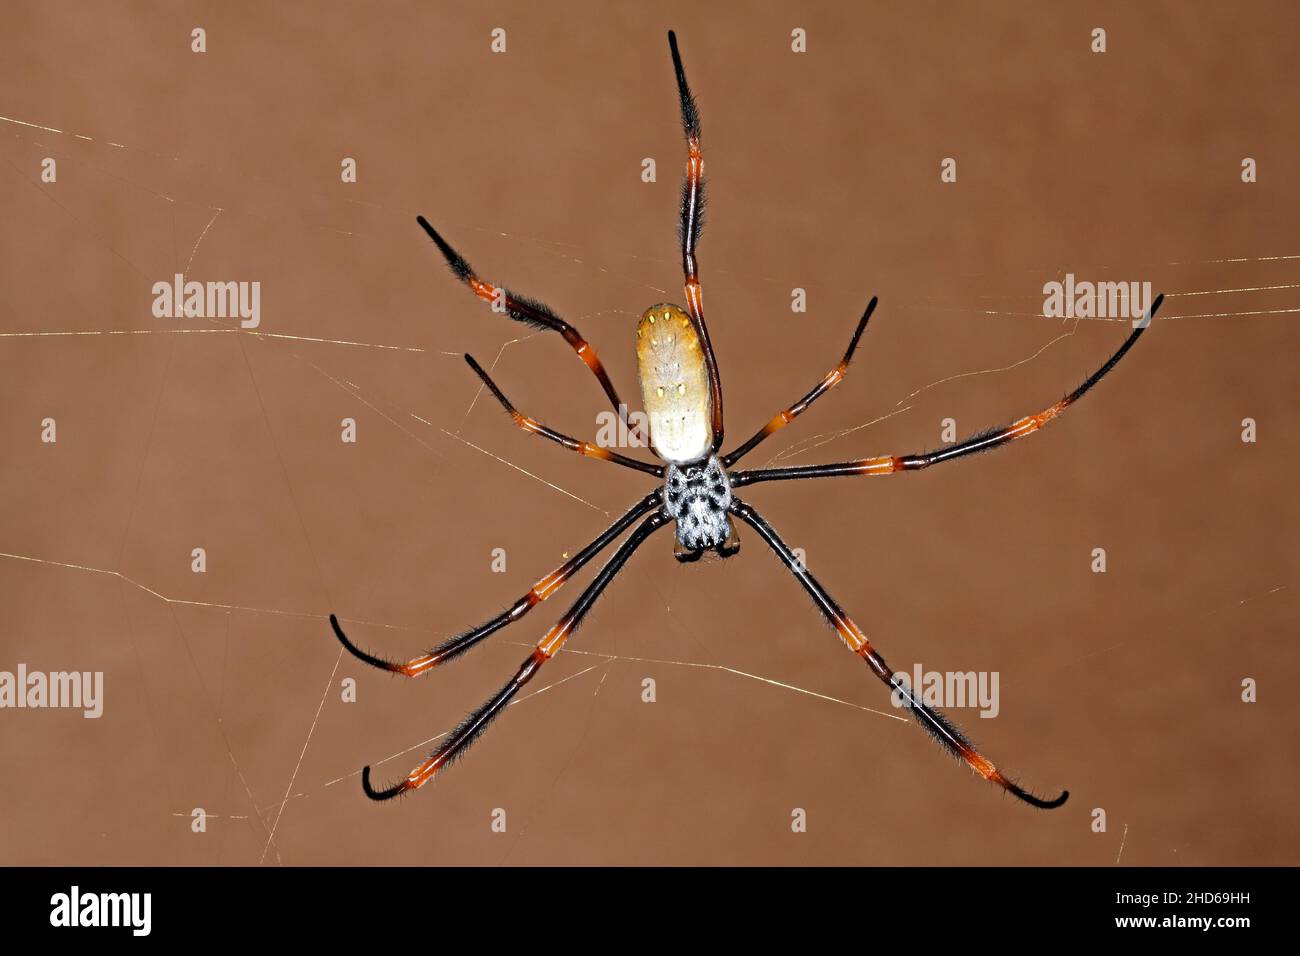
(539, 592)
(534, 314)
(465, 734)
(933, 721)
(692, 220)
(984, 441)
(533, 426)
(833, 378)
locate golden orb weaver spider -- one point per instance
(682, 393)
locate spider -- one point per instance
(682, 394)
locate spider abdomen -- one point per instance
(697, 497)
(674, 384)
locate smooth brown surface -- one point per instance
(223, 689)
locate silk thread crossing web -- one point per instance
(328, 358)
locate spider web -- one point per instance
(437, 430)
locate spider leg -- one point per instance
(544, 588)
(984, 441)
(692, 219)
(832, 379)
(537, 428)
(533, 313)
(465, 734)
(933, 721)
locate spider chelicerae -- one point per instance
(682, 393)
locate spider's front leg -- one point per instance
(933, 721)
(538, 593)
(473, 725)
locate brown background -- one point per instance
(223, 689)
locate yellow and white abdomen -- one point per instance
(674, 385)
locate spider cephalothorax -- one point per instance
(682, 393)
(697, 498)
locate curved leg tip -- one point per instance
(1039, 802)
(374, 794)
(1022, 794)
(361, 655)
(343, 638)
